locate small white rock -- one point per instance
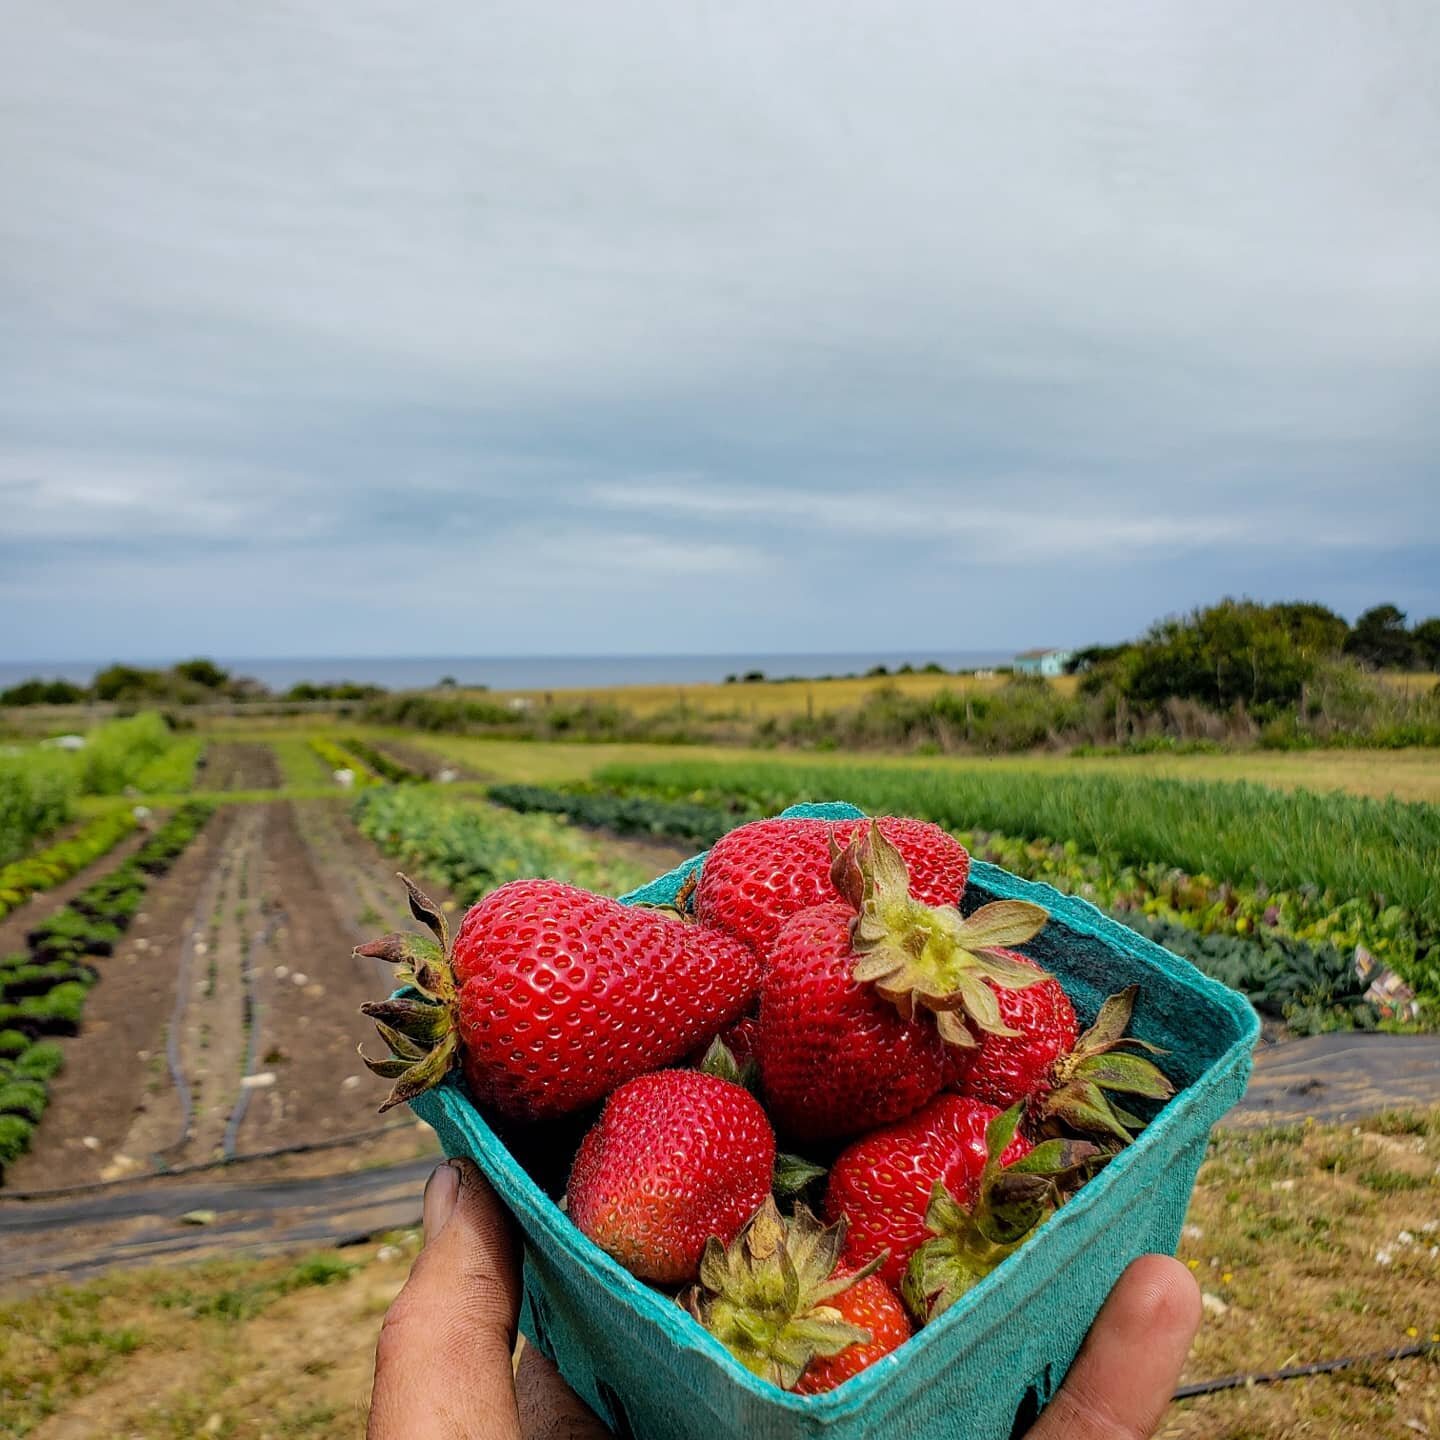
(281, 971)
(1213, 1304)
(300, 978)
(201, 948)
(261, 1080)
(349, 1082)
(91, 1142)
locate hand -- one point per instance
(443, 1365)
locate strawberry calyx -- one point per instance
(766, 1296)
(930, 957)
(967, 1243)
(418, 1028)
(1077, 1095)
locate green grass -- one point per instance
(300, 767)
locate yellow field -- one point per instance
(761, 699)
(1405, 774)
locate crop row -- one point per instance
(379, 763)
(26, 1068)
(1244, 833)
(1301, 972)
(50, 867)
(338, 758)
(471, 847)
(1322, 867)
(696, 824)
(43, 988)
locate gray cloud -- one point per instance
(634, 328)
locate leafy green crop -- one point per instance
(381, 764)
(1325, 868)
(473, 848)
(700, 825)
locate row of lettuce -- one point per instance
(1263, 912)
(40, 785)
(44, 986)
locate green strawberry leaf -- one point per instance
(793, 1173)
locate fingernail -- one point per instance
(442, 1190)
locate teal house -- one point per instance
(1042, 662)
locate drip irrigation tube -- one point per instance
(173, 1059)
(252, 1014)
(91, 1187)
(1300, 1372)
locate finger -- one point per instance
(549, 1408)
(442, 1366)
(1125, 1374)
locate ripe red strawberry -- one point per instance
(759, 875)
(772, 1295)
(835, 1058)
(1061, 1078)
(860, 994)
(1002, 1069)
(552, 997)
(676, 1157)
(872, 1305)
(968, 1239)
(882, 1184)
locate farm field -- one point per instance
(760, 699)
(192, 999)
(1404, 774)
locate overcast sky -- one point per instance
(375, 327)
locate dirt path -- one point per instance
(228, 1019)
(308, 993)
(115, 1068)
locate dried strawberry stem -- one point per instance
(420, 1028)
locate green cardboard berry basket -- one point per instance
(991, 1362)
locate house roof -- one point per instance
(1039, 654)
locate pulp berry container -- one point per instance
(995, 1358)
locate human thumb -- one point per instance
(443, 1362)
